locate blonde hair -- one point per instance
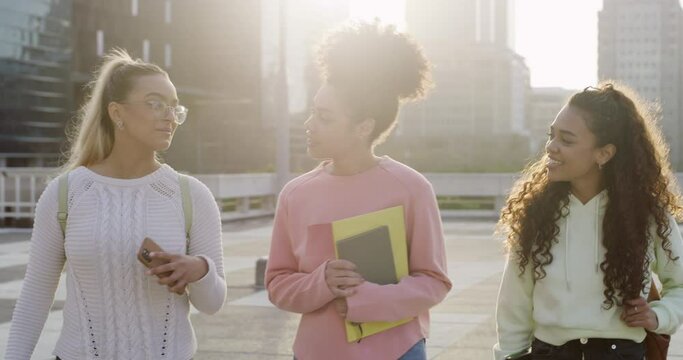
(92, 134)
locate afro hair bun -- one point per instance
(370, 57)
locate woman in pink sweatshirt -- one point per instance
(368, 69)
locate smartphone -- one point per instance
(147, 247)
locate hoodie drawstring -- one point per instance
(566, 253)
(596, 250)
(598, 240)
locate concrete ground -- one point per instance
(249, 327)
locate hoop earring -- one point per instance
(600, 166)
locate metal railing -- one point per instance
(20, 189)
(241, 196)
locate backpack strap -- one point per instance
(187, 204)
(63, 210)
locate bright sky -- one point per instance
(388, 11)
(558, 38)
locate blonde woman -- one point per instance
(119, 194)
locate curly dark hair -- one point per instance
(374, 68)
(640, 186)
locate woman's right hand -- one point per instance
(341, 277)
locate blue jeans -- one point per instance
(417, 352)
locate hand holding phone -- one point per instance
(147, 247)
(180, 271)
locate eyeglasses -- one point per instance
(161, 110)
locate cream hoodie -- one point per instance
(567, 303)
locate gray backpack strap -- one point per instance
(63, 210)
(187, 205)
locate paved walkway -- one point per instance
(249, 327)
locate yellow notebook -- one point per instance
(390, 219)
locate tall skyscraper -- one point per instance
(458, 23)
(482, 85)
(35, 62)
(474, 118)
(217, 64)
(211, 49)
(306, 23)
(544, 105)
(640, 45)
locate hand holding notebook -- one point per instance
(341, 277)
(376, 243)
(370, 252)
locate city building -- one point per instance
(475, 117)
(35, 63)
(545, 103)
(305, 26)
(211, 50)
(639, 44)
(481, 84)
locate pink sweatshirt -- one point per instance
(295, 277)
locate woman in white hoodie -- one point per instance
(586, 226)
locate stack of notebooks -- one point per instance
(376, 243)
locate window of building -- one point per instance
(145, 50)
(167, 55)
(100, 42)
(168, 12)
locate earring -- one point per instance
(119, 124)
(600, 166)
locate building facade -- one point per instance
(545, 103)
(480, 102)
(35, 63)
(481, 84)
(640, 45)
(210, 48)
(306, 23)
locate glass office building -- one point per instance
(35, 99)
(50, 48)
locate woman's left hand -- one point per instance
(341, 307)
(182, 270)
(637, 313)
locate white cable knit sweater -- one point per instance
(113, 310)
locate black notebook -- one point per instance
(372, 254)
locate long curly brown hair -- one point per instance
(640, 186)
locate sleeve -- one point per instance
(208, 293)
(45, 264)
(288, 288)
(514, 310)
(427, 283)
(669, 309)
